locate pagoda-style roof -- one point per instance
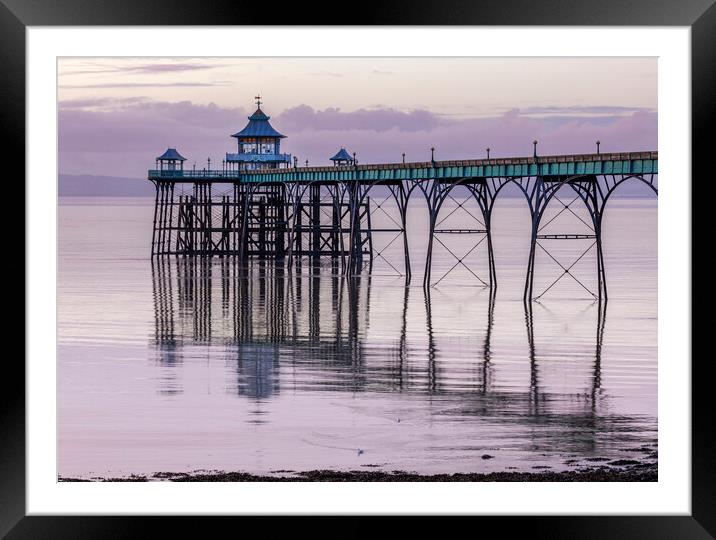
(171, 154)
(258, 126)
(342, 155)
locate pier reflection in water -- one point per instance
(329, 343)
(319, 320)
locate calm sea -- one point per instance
(185, 365)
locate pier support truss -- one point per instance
(590, 192)
(391, 195)
(437, 193)
(360, 222)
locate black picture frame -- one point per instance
(699, 15)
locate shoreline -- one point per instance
(639, 472)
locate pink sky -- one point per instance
(117, 115)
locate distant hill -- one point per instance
(86, 185)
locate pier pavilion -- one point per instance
(259, 145)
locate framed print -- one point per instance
(421, 264)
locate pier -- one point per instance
(261, 203)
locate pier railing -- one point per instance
(259, 158)
(545, 166)
(155, 174)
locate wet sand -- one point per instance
(617, 471)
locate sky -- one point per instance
(115, 115)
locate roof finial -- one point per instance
(258, 100)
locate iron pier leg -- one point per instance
(281, 224)
(225, 220)
(369, 234)
(208, 226)
(244, 233)
(353, 216)
(298, 226)
(338, 210)
(535, 208)
(406, 249)
(529, 281)
(236, 221)
(429, 255)
(160, 216)
(163, 220)
(600, 261)
(171, 218)
(315, 222)
(262, 228)
(154, 221)
(290, 219)
(181, 226)
(200, 219)
(596, 213)
(490, 254)
(335, 225)
(192, 225)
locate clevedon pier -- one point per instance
(261, 203)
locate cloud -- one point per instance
(325, 74)
(122, 137)
(146, 68)
(144, 85)
(171, 68)
(100, 103)
(303, 118)
(509, 135)
(582, 110)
